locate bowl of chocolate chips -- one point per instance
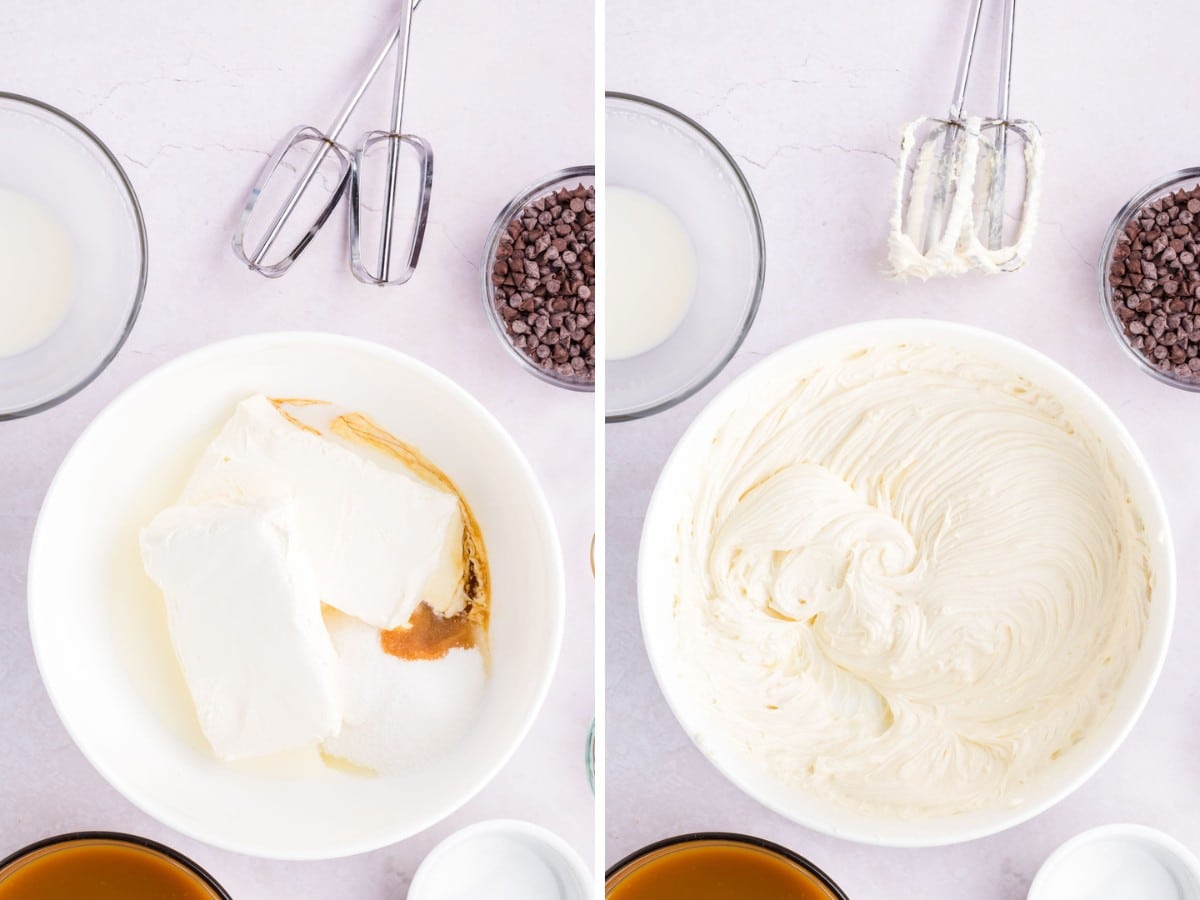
(539, 278)
(1150, 278)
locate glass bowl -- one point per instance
(626, 873)
(658, 151)
(23, 869)
(1184, 178)
(57, 164)
(589, 757)
(566, 178)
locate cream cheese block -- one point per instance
(379, 540)
(245, 619)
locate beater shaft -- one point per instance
(951, 219)
(389, 204)
(948, 161)
(279, 222)
(996, 192)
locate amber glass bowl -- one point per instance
(21, 873)
(651, 864)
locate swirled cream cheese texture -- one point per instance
(908, 582)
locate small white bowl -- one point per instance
(99, 624)
(656, 581)
(502, 859)
(1126, 861)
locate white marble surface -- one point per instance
(809, 97)
(191, 97)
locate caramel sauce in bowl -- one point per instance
(717, 866)
(104, 866)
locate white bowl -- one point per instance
(1119, 861)
(502, 859)
(1075, 767)
(99, 624)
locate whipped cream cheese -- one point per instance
(379, 540)
(245, 620)
(958, 249)
(908, 580)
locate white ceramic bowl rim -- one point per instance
(423, 886)
(177, 818)
(1140, 834)
(945, 831)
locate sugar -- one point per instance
(400, 713)
(499, 868)
(1115, 870)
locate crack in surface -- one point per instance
(143, 82)
(741, 85)
(189, 148)
(474, 263)
(1062, 231)
(815, 148)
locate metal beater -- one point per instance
(300, 197)
(395, 141)
(953, 218)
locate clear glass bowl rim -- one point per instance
(139, 293)
(760, 277)
(721, 838)
(539, 188)
(1166, 184)
(116, 837)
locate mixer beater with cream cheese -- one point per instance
(952, 219)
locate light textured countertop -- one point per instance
(191, 98)
(809, 98)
